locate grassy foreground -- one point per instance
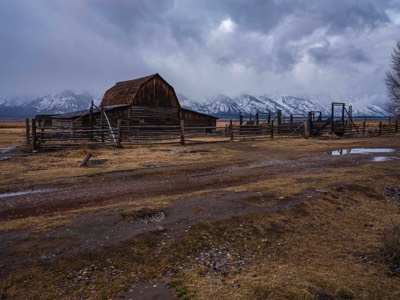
(327, 231)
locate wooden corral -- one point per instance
(147, 109)
(72, 121)
(44, 121)
(92, 118)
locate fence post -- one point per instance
(28, 137)
(231, 129)
(351, 118)
(364, 124)
(269, 118)
(272, 129)
(119, 134)
(279, 116)
(257, 120)
(91, 120)
(310, 123)
(306, 125)
(183, 142)
(34, 140)
(380, 127)
(85, 159)
(101, 124)
(240, 119)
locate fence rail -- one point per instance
(122, 134)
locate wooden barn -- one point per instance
(151, 100)
(148, 100)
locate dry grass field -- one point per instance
(265, 219)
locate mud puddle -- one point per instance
(360, 151)
(366, 151)
(383, 158)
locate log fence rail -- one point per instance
(239, 129)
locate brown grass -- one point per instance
(330, 244)
(326, 246)
(47, 165)
(11, 136)
(12, 125)
(391, 241)
(323, 247)
(38, 224)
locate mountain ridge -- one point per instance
(224, 106)
(218, 105)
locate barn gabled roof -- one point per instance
(124, 92)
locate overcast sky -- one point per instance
(201, 47)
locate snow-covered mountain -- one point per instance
(56, 103)
(225, 106)
(371, 110)
(219, 105)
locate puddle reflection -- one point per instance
(360, 151)
(383, 158)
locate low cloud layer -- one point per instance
(200, 47)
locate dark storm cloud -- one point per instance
(135, 19)
(328, 54)
(301, 19)
(200, 46)
(345, 15)
(264, 16)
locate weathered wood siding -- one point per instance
(67, 125)
(72, 124)
(156, 92)
(120, 113)
(197, 119)
(154, 115)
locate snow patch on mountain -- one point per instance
(222, 105)
(371, 110)
(12, 101)
(218, 105)
(56, 103)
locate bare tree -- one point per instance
(393, 81)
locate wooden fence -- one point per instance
(48, 137)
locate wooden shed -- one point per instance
(194, 118)
(151, 100)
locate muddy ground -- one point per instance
(69, 228)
